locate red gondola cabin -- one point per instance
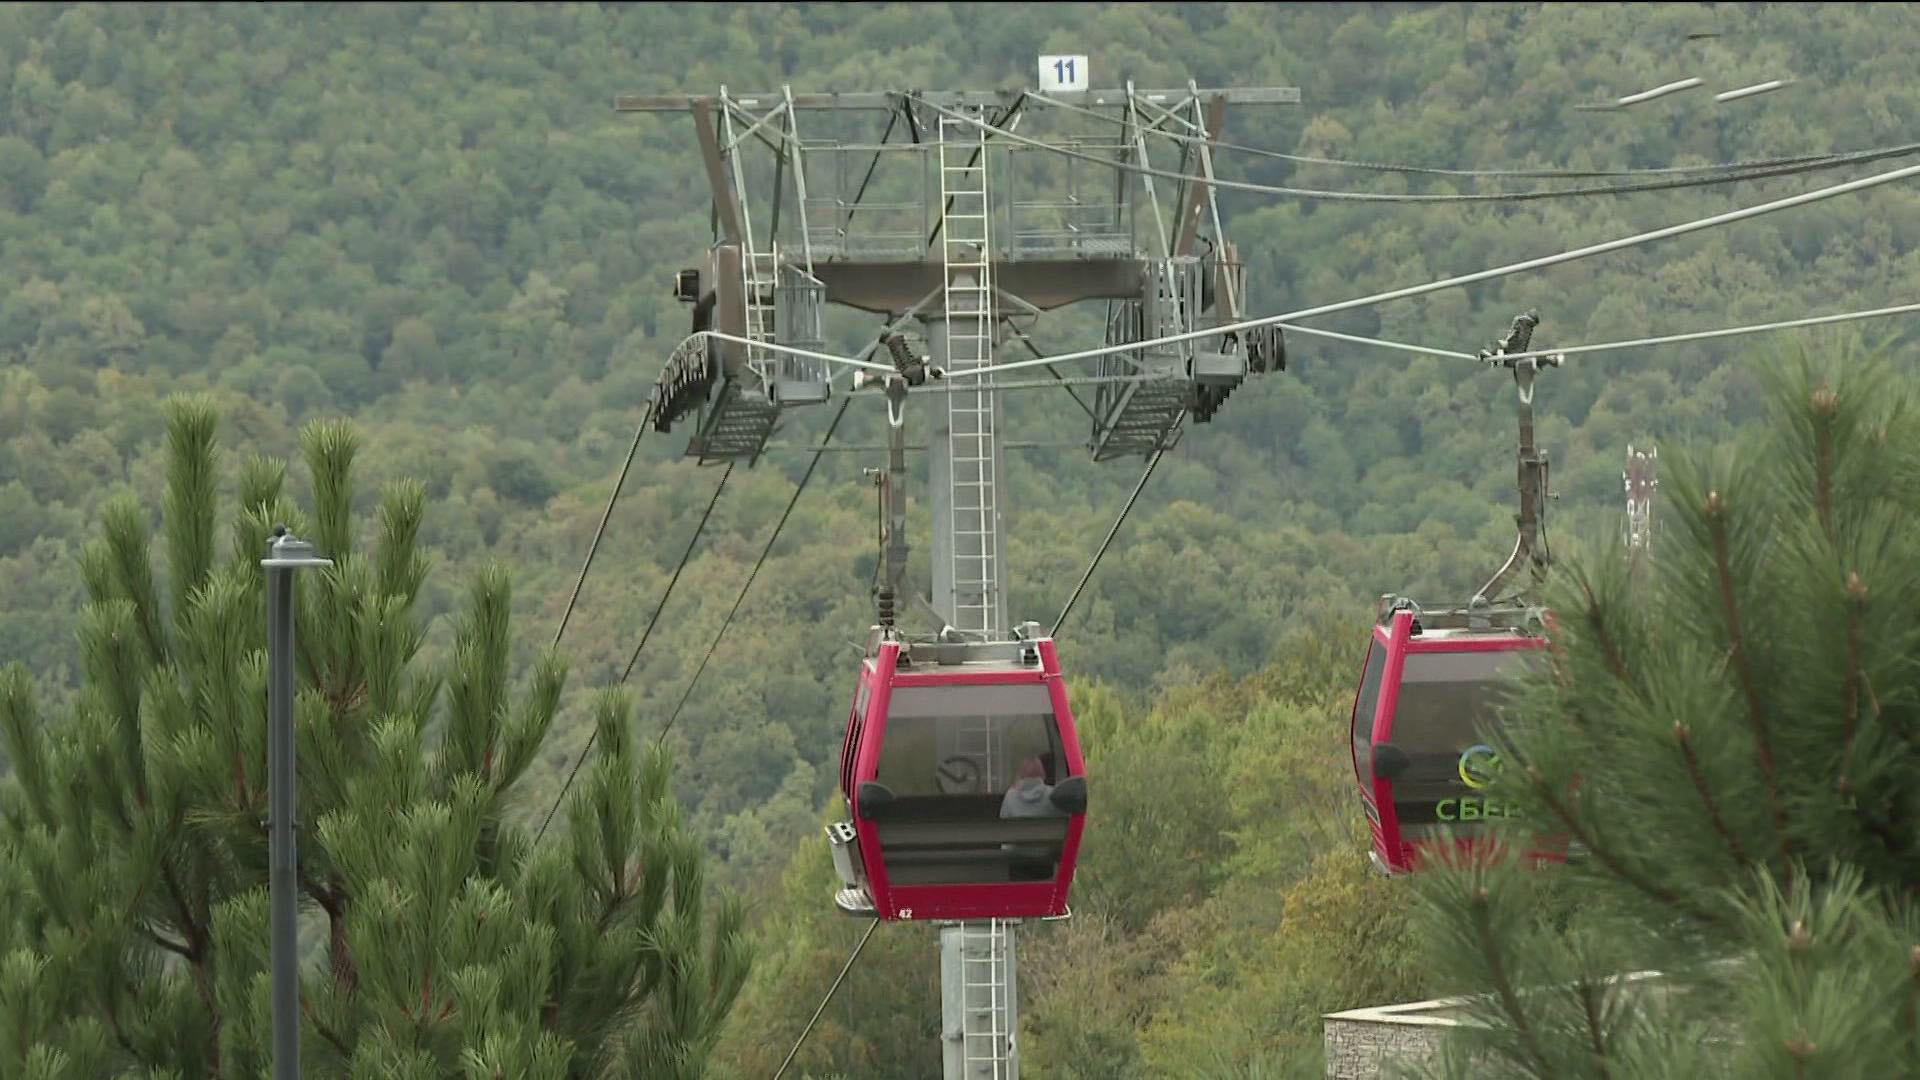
(963, 780)
(1428, 687)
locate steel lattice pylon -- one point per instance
(964, 232)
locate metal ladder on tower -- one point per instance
(966, 254)
(987, 1047)
(760, 271)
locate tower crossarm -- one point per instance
(886, 100)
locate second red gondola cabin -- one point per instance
(1429, 687)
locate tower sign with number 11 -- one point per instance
(1063, 73)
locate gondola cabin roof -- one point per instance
(964, 783)
(1429, 687)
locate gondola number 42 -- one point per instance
(1063, 73)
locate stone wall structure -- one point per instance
(1361, 1044)
(1365, 1044)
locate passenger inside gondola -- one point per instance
(1031, 797)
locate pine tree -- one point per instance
(1731, 746)
(133, 850)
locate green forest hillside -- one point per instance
(429, 219)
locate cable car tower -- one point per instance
(966, 219)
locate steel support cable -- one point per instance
(1077, 380)
(1111, 533)
(1731, 331)
(757, 564)
(1424, 350)
(646, 421)
(822, 1007)
(675, 579)
(1538, 263)
(1467, 197)
(1451, 354)
(1407, 292)
(686, 555)
(1382, 343)
(1430, 170)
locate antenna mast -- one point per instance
(1642, 479)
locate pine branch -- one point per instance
(1850, 690)
(166, 943)
(1894, 840)
(1824, 404)
(1596, 1038)
(146, 881)
(25, 739)
(243, 795)
(617, 898)
(1607, 858)
(1608, 648)
(330, 447)
(189, 505)
(124, 531)
(195, 940)
(1682, 736)
(401, 567)
(203, 978)
(112, 1010)
(332, 898)
(1913, 1004)
(333, 1037)
(261, 478)
(1502, 985)
(1743, 667)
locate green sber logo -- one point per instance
(1478, 763)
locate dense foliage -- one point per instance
(427, 217)
(1729, 743)
(133, 846)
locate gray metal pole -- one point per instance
(285, 555)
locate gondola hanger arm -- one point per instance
(1532, 461)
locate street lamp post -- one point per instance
(286, 554)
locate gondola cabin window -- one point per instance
(1365, 707)
(849, 748)
(970, 770)
(1445, 700)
